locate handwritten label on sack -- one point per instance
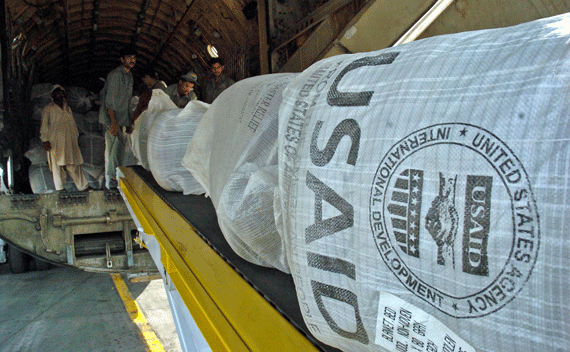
(403, 327)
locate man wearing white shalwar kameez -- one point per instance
(59, 135)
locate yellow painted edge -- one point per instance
(260, 326)
(137, 315)
(204, 307)
(136, 207)
(217, 330)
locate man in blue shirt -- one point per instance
(114, 113)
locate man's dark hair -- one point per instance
(216, 60)
(150, 72)
(127, 50)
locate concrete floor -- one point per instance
(66, 309)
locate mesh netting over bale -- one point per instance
(168, 139)
(425, 192)
(233, 155)
(139, 138)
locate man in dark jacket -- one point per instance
(218, 83)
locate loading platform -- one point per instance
(237, 305)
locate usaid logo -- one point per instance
(454, 218)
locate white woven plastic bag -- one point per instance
(426, 193)
(92, 149)
(88, 123)
(168, 139)
(36, 152)
(79, 99)
(41, 179)
(233, 154)
(139, 137)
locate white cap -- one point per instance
(56, 86)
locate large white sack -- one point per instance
(92, 149)
(41, 179)
(88, 123)
(167, 142)
(36, 152)
(79, 99)
(95, 175)
(158, 103)
(233, 154)
(426, 193)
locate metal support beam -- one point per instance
(66, 61)
(140, 18)
(420, 26)
(178, 25)
(263, 43)
(5, 63)
(110, 218)
(94, 27)
(4, 59)
(309, 22)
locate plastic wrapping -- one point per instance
(168, 139)
(79, 99)
(36, 152)
(233, 155)
(88, 123)
(425, 193)
(93, 151)
(158, 103)
(41, 179)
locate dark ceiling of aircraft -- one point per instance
(78, 41)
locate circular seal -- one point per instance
(454, 218)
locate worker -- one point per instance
(151, 82)
(115, 113)
(218, 82)
(59, 135)
(183, 92)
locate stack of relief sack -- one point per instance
(41, 180)
(91, 138)
(92, 146)
(420, 195)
